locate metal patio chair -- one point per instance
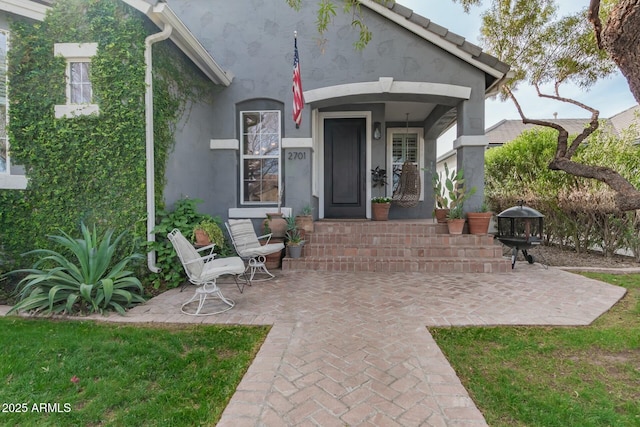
(204, 270)
(248, 247)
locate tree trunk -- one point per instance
(620, 37)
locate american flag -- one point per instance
(298, 98)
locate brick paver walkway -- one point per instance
(353, 349)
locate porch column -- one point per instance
(470, 146)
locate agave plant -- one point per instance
(88, 283)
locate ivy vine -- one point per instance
(88, 169)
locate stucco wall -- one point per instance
(253, 39)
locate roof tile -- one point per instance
(402, 10)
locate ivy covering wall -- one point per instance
(87, 169)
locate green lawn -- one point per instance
(554, 376)
(79, 373)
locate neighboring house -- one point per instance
(508, 130)
(378, 107)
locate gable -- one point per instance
(443, 38)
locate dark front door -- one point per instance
(344, 168)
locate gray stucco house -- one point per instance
(378, 107)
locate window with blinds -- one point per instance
(404, 149)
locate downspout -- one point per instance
(148, 101)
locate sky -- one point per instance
(609, 96)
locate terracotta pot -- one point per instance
(273, 260)
(305, 223)
(202, 238)
(455, 225)
(277, 224)
(441, 215)
(479, 222)
(380, 211)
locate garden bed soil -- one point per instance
(563, 257)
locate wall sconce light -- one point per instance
(377, 130)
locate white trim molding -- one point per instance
(13, 182)
(69, 111)
(26, 8)
(471, 141)
(74, 52)
(297, 143)
(71, 51)
(387, 85)
(257, 212)
(224, 144)
(162, 15)
(389, 152)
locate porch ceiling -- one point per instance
(397, 111)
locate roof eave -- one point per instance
(25, 8)
(161, 14)
(498, 72)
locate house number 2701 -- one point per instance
(297, 155)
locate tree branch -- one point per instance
(591, 128)
(563, 135)
(627, 196)
(594, 17)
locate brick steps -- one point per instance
(398, 264)
(396, 246)
(399, 251)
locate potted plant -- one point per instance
(378, 177)
(479, 219)
(457, 194)
(294, 243)
(304, 221)
(275, 222)
(444, 189)
(207, 232)
(380, 208)
(455, 220)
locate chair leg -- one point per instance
(257, 265)
(201, 293)
(246, 279)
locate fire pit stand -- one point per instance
(520, 228)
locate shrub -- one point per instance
(88, 284)
(579, 212)
(184, 217)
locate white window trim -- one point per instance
(257, 212)
(12, 182)
(74, 52)
(390, 132)
(7, 180)
(242, 157)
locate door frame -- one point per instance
(322, 116)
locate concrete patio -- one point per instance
(353, 349)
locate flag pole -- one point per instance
(295, 43)
(298, 97)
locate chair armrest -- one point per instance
(211, 246)
(266, 236)
(205, 258)
(210, 255)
